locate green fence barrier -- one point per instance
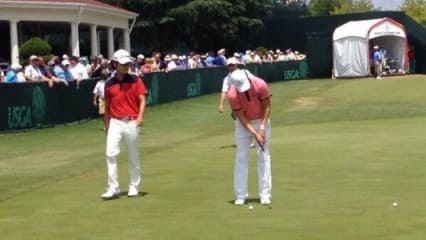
(31, 105)
(177, 85)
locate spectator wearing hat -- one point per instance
(62, 71)
(377, 61)
(170, 62)
(232, 65)
(14, 75)
(33, 72)
(220, 59)
(140, 61)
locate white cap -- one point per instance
(16, 66)
(221, 51)
(65, 62)
(65, 56)
(167, 58)
(232, 60)
(141, 56)
(33, 57)
(240, 80)
(122, 56)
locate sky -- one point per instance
(387, 4)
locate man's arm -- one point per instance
(221, 101)
(266, 107)
(260, 139)
(106, 114)
(142, 104)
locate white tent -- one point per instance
(353, 41)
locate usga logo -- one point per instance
(25, 116)
(194, 88)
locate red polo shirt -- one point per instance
(251, 100)
(123, 96)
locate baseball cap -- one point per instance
(33, 57)
(232, 61)
(65, 62)
(141, 56)
(122, 56)
(16, 66)
(240, 80)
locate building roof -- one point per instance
(92, 3)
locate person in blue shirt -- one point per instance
(62, 72)
(377, 61)
(220, 60)
(12, 75)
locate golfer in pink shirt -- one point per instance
(250, 102)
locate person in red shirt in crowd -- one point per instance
(124, 111)
(250, 101)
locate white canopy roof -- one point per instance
(369, 29)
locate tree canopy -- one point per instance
(415, 9)
(202, 24)
(353, 6)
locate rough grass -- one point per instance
(342, 152)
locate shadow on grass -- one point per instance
(228, 146)
(248, 200)
(124, 194)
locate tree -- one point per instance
(34, 46)
(415, 9)
(354, 6)
(201, 24)
(323, 7)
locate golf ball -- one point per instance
(395, 204)
(250, 207)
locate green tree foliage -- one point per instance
(353, 6)
(323, 7)
(34, 46)
(201, 24)
(415, 9)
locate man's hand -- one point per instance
(220, 108)
(139, 121)
(260, 139)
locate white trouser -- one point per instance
(243, 139)
(127, 130)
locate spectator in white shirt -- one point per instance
(33, 73)
(78, 70)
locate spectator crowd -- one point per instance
(62, 70)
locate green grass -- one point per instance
(342, 152)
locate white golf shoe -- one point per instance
(265, 201)
(111, 194)
(239, 202)
(133, 192)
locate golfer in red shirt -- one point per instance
(124, 109)
(249, 98)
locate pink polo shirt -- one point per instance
(251, 101)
